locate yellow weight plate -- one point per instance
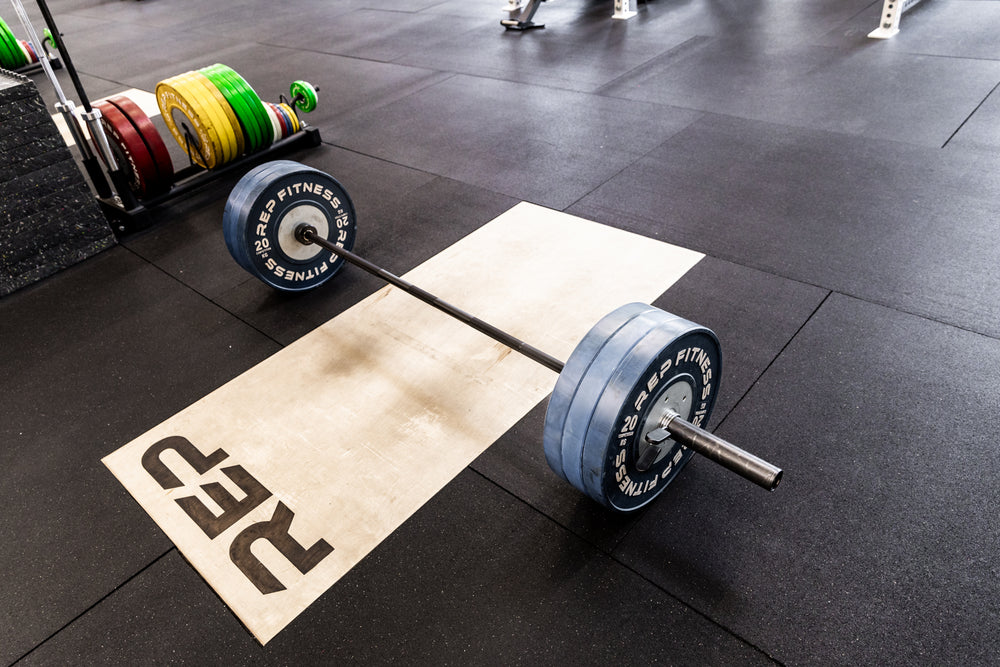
(296, 125)
(236, 133)
(178, 109)
(193, 87)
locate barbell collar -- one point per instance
(93, 120)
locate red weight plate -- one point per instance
(129, 149)
(31, 52)
(28, 54)
(284, 109)
(151, 137)
(282, 121)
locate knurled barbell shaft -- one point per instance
(307, 234)
(715, 448)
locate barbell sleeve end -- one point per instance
(726, 454)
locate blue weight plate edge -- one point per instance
(288, 121)
(589, 390)
(569, 379)
(236, 209)
(671, 331)
(592, 388)
(253, 183)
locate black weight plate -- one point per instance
(266, 207)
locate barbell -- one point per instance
(626, 411)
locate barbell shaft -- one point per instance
(307, 234)
(713, 447)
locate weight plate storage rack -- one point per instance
(213, 113)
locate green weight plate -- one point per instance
(227, 110)
(6, 60)
(6, 55)
(10, 55)
(242, 106)
(244, 102)
(245, 109)
(307, 91)
(19, 53)
(235, 102)
(258, 108)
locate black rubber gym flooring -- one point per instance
(846, 193)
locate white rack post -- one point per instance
(892, 11)
(623, 9)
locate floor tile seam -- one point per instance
(850, 295)
(551, 85)
(830, 293)
(638, 158)
(351, 56)
(96, 603)
(798, 126)
(687, 605)
(666, 55)
(794, 126)
(911, 313)
(421, 170)
(204, 296)
(774, 360)
(610, 555)
(971, 114)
